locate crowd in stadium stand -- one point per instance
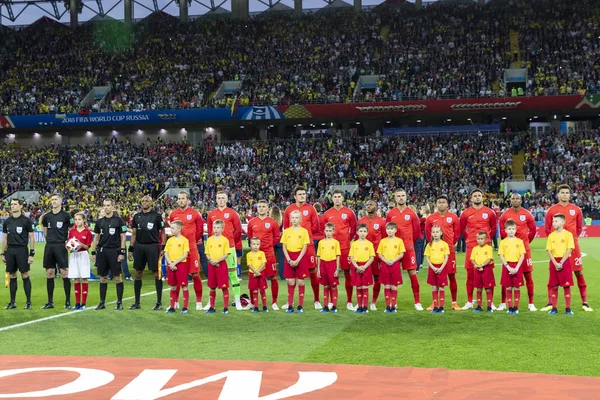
(573, 158)
(445, 49)
(254, 170)
(249, 171)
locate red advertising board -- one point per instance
(592, 231)
(541, 103)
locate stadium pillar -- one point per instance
(183, 10)
(358, 5)
(419, 3)
(240, 9)
(298, 7)
(73, 11)
(128, 12)
(195, 137)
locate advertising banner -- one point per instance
(299, 111)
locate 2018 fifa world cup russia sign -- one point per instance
(301, 111)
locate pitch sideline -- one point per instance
(6, 328)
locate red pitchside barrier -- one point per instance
(592, 231)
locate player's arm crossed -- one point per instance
(173, 263)
(559, 264)
(521, 258)
(217, 262)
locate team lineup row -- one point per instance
(377, 262)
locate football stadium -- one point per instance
(277, 199)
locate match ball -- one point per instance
(72, 244)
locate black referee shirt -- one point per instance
(58, 226)
(18, 230)
(147, 227)
(110, 230)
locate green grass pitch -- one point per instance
(529, 342)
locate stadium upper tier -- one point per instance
(444, 50)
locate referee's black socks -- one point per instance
(13, 289)
(103, 288)
(27, 288)
(137, 287)
(158, 284)
(49, 288)
(67, 286)
(120, 292)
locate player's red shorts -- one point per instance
(193, 261)
(345, 263)
(527, 265)
(300, 271)
(218, 277)
(310, 257)
(271, 265)
(563, 278)
(179, 277)
(576, 260)
(440, 279)
(361, 279)
(450, 267)
(390, 275)
(468, 262)
(509, 280)
(484, 279)
(327, 269)
(257, 283)
(409, 260)
(375, 266)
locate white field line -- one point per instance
(6, 328)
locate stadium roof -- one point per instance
(26, 12)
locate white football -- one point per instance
(72, 244)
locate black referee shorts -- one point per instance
(56, 253)
(16, 259)
(107, 260)
(145, 254)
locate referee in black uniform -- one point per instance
(144, 249)
(56, 224)
(108, 251)
(17, 230)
